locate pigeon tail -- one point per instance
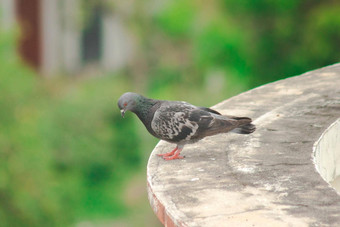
(246, 127)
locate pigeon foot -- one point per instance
(175, 156)
(169, 153)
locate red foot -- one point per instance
(175, 156)
(169, 154)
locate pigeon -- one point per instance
(180, 122)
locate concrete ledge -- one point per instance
(267, 178)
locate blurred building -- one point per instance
(53, 41)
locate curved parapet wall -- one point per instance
(327, 155)
(267, 178)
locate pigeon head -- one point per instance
(129, 101)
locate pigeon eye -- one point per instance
(125, 104)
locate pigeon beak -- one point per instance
(122, 112)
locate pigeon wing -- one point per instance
(180, 121)
(211, 124)
(171, 122)
(209, 110)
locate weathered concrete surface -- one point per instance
(267, 178)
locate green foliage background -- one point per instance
(64, 150)
(65, 153)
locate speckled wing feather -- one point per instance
(180, 122)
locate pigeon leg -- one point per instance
(169, 154)
(175, 156)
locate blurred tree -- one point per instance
(288, 37)
(27, 193)
(64, 152)
(249, 42)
